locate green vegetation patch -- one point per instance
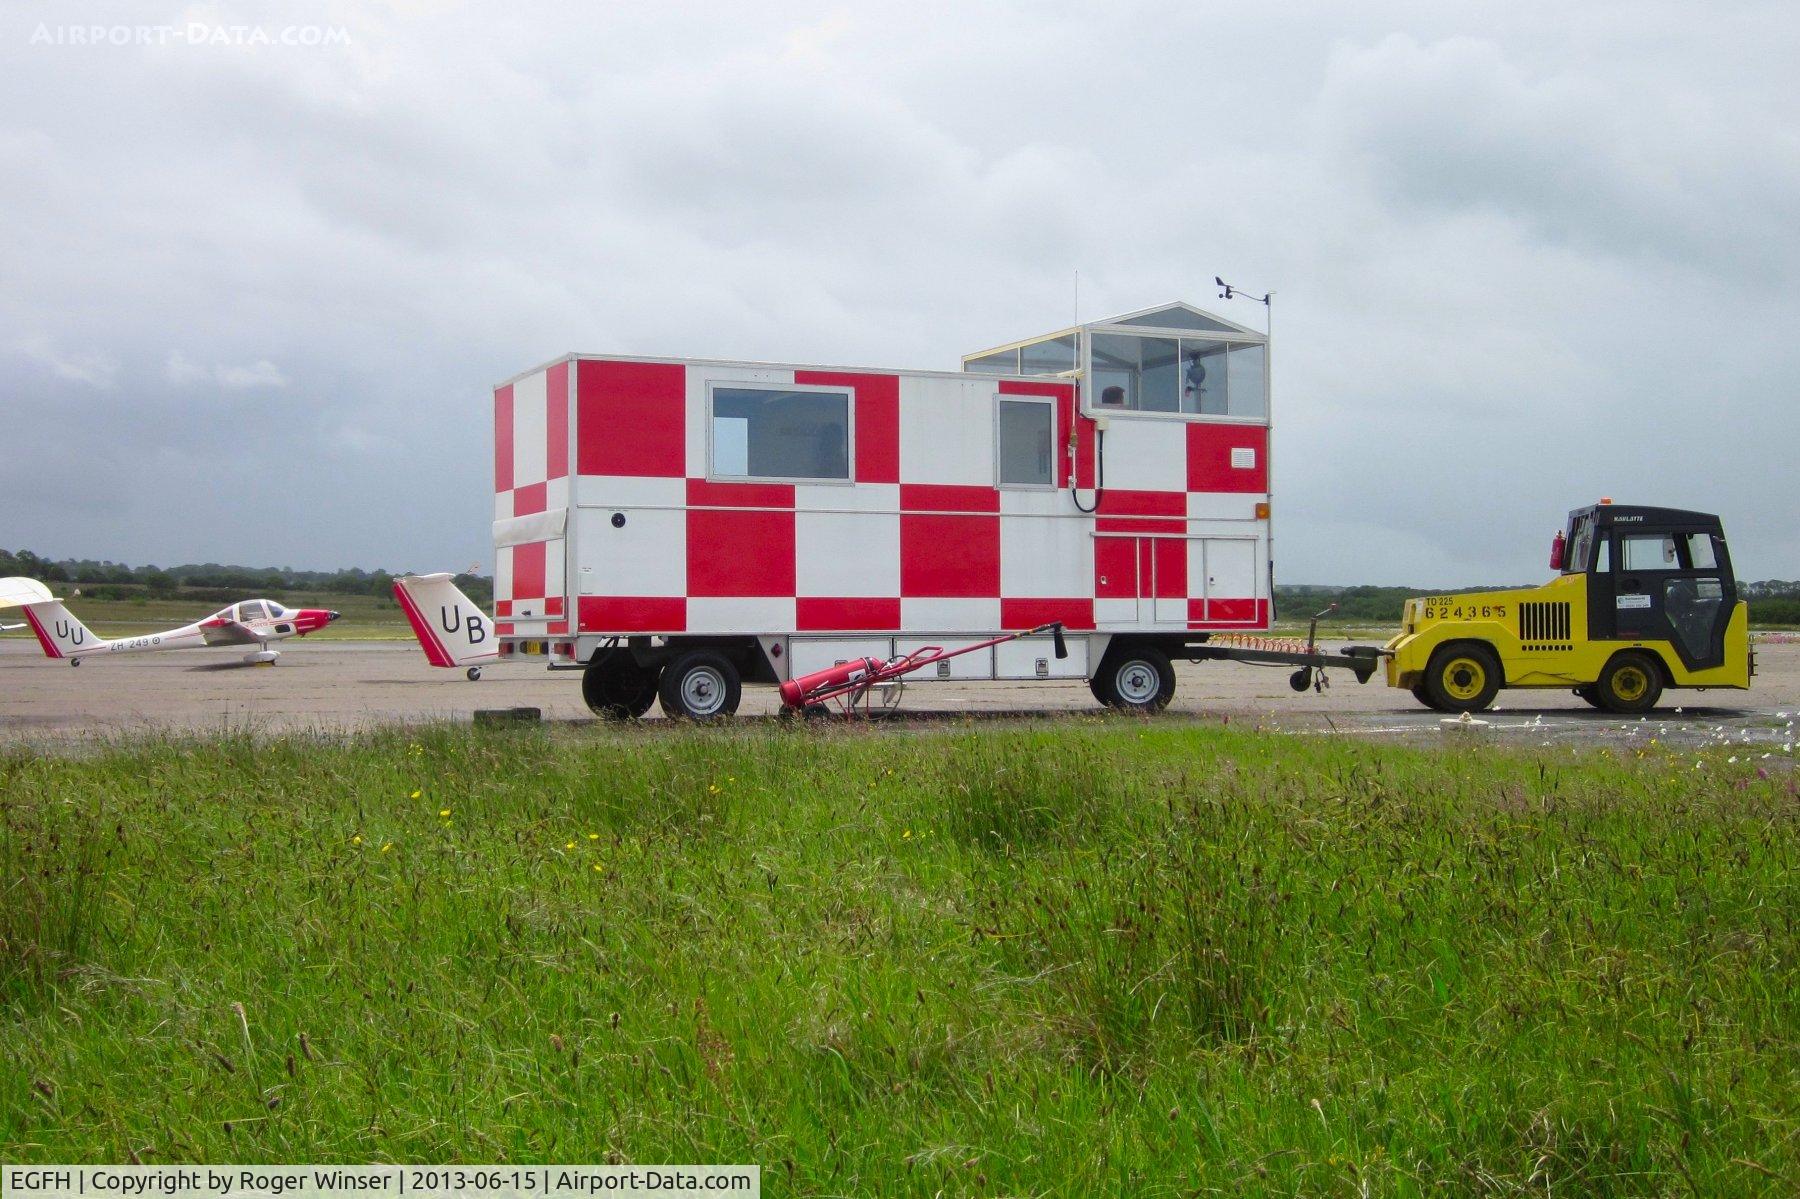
(1083, 958)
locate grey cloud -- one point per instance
(1513, 271)
(1457, 124)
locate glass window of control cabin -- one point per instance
(1205, 378)
(1144, 369)
(1052, 357)
(1024, 443)
(252, 610)
(1247, 373)
(1000, 362)
(776, 433)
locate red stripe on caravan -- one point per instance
(435, 653)
(43, 637)
(553, 605)
(556, 427)
(503, 439)
(839, 614)
(632, 614)
(631, 419)
(702, 494)
(947, 497)
(877, 420)
(1074, 613)
(530, 499)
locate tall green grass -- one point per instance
(1083, 958)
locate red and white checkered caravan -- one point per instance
(678, 526)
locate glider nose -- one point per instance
(331, 616)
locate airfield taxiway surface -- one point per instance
(332, 687)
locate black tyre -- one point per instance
(1631, 682)
(617, 688)
(700, 685)
(1134, 679)
(1420, 693)
(1590, 693)
(1463, 677)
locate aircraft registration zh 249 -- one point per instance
(251, 622)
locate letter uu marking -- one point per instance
(72, 636)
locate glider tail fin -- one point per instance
(59, 632)
(450, 628)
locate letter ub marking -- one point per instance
(450, 618)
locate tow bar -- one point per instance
(1360, 660)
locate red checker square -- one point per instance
(632, 419)
(632, 614)
(1115, 567)
(1074, 613)
(843, 613)
(949, 556)
(528, 570)
(1171, 555)
(556, 427)
(1209, 458)
(947, 497)
(529, 500)
(733, 553)
(503, 439)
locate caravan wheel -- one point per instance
(1134, 679)
(617, 688)
(701, 685)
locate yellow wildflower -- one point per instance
(387, 847)
(444, 812)
(356, 840)
(414, 795)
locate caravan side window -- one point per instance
(1024, 440)
(780, 433)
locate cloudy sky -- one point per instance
(253, 294)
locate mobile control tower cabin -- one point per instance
(677, 527)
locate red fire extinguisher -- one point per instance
(794, 692)
(1556, 551)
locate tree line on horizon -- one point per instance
(212, 581)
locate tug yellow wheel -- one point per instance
(1463, 678)
(1631, 682)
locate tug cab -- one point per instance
(1645, 600)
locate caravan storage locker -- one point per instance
(1113, 477)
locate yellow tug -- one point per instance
(1646, 600)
